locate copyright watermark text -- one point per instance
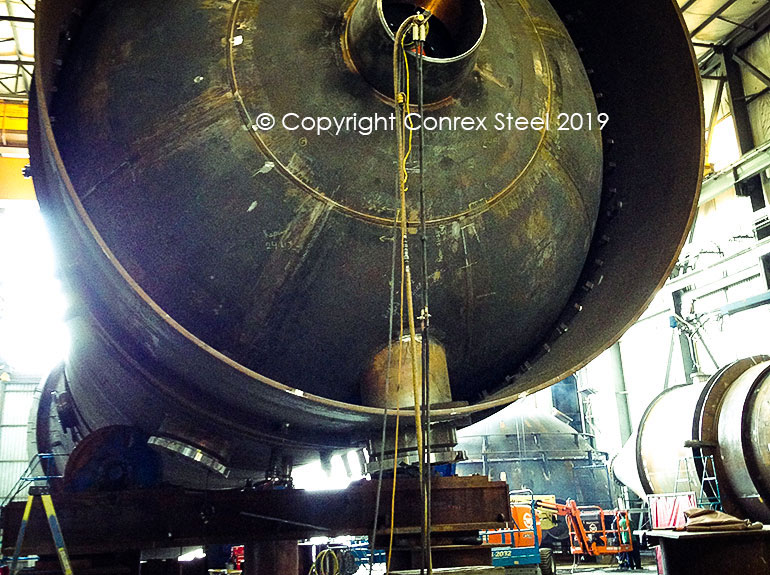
(367, 125)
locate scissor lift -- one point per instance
(592, 530)
(519, 551)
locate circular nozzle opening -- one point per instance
(455, 27)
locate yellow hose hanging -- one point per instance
(398, 414)
(402, 102)
(403, 175)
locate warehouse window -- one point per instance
(33, 337)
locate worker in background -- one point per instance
(624, 558)
(635, 557)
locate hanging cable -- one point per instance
(391, 314)
(424, 315)
(403, 103)
(417, 391)
(399, 179)
(398, 412)
(402, 106)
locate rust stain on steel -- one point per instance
(292, 247)
(486, 73)
(547, 28)
(571, 189)
(188, 126)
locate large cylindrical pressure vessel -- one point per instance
(219, 179)
(711, 439)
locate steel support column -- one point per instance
(621, 394)
(751, 187)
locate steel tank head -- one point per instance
(220, 181)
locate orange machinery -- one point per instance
(592, 530)
(523, 535)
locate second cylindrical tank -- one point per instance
(711, 439)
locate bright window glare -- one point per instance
(33, 337)
(724, 148)
(354, 462)
(312, 476)
(192, 555)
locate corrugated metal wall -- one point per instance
(15, 402)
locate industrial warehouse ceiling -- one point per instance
(16, 47)
(715, 21)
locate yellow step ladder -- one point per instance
(53, 522)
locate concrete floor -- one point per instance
(607, 564)
(604, 569)
(564, 566)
